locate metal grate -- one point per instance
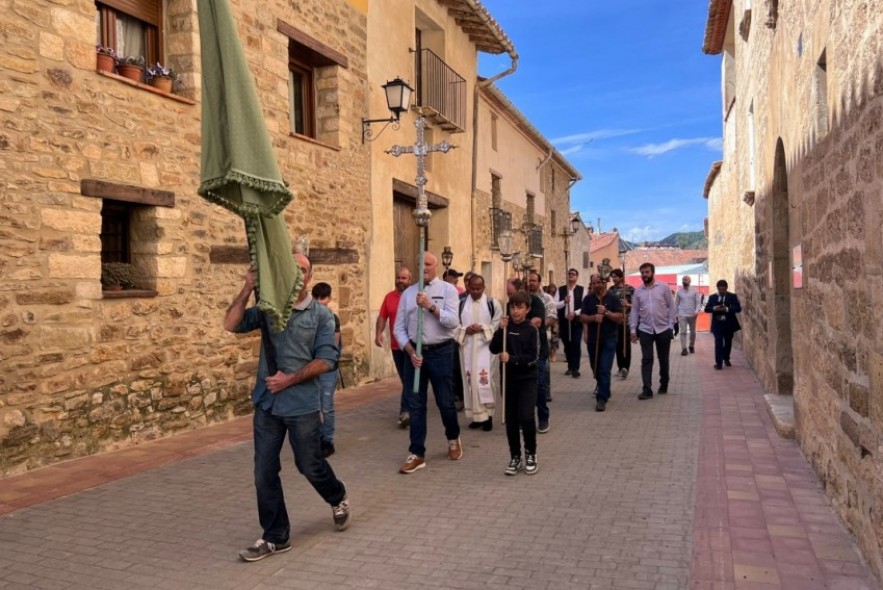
(501, 221)
(441, 92)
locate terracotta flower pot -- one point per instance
(106, 62)
(163, 83)
(131, 72)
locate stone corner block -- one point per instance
(781, 411)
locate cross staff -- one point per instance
(422, 213)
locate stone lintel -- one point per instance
(127, 193)
(409, 193)
(319, 53)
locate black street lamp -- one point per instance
(447, 257)
(398, 100)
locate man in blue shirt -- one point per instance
(288, 402)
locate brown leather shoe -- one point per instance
(412, 464)
(455, 450)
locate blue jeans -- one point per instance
(327, 386)
(542, 390)
(400, 358)
(605, 364)
(438, 366)
(305, 439)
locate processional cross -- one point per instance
(422, 214)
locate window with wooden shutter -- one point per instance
(131, 28)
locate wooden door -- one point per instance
(406, 236)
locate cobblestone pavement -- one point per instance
(612, 506)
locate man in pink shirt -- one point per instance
(386, 316)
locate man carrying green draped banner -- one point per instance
(239, 173)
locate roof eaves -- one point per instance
(716, 26)
(712, 176)
(477, 22)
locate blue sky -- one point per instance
(624, 91)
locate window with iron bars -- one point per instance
(535, 240)
(502, 221)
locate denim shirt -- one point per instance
(308, 335)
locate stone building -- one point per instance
(522, 184)
(433, 45)
(97, 168)
(795, 211)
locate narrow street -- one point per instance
(693, 489)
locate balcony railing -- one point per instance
(441, 92)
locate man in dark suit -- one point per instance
(723, 307)
(570, 328)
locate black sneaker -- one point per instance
(488, 426)
(692, 350)
(663, 389)
(575, 374)
(342, 514)
(646, 395)
(601, 405)
(543, 427)
(530, 464)
(262, 549)
(717, 366)
(728, 363)
(514, 466)
(684, 352)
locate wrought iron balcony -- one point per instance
(441, 92)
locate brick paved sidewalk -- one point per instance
(611, 507)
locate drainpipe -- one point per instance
(478, 86)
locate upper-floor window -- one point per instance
(531, 208)
(494, 132)
(553, 221)
(820, 95)
(314, 110)
(131, 27)
(301, 93)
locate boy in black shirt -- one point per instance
(520, 363)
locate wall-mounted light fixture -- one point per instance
(398, 100)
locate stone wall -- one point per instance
(817, 108)
(81, 372)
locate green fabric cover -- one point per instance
(238, 168)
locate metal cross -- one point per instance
(420, 149)
(421, 214)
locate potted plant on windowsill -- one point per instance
(131, 67)
(116, 276)
(106, 58)
(161, 77)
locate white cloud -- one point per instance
(571, 150)
(584, 138)
(647, 233)
(656, 149)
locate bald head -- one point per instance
(430, 264)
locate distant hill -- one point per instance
(694, 240)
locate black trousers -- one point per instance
(623, 349)
(521, 402)
(457, 376)
(572, 336)
(723, 344)
(662, 340)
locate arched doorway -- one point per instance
(780, 322)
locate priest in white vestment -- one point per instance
(479, 317)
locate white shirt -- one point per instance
(688, 302)
(435, 329)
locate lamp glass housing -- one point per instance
(504, 242)
(447, 256)
(398, 96)
(574, 224)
